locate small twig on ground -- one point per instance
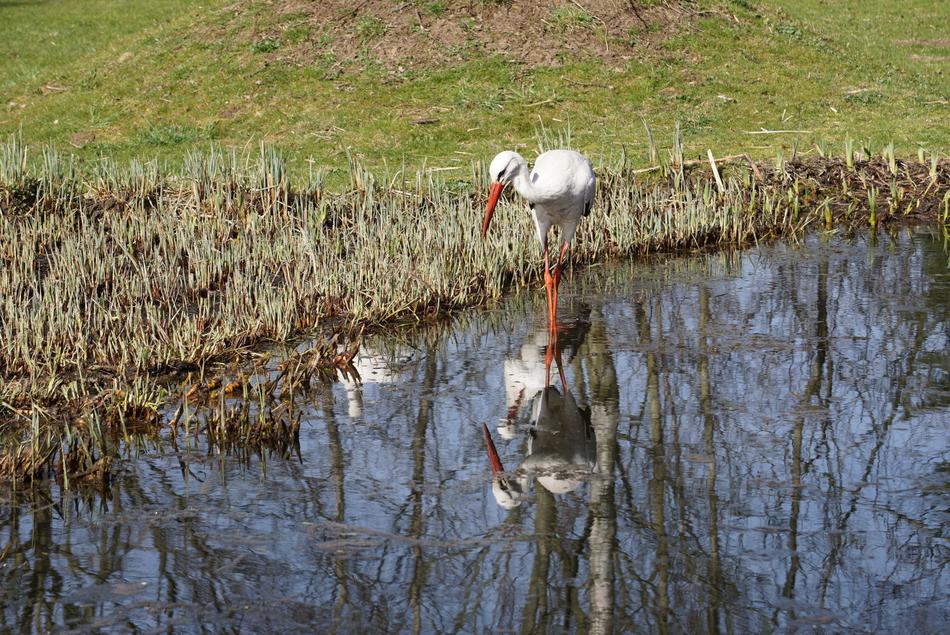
(419, 17)
(694, 162)
(636, 11)
(755, 168)
(764, 131)
(587, 84)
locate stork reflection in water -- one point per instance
(561, 449)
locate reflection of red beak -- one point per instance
(493, 197)
(496, 466)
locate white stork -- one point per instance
(559, 191)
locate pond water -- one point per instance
(750, 442)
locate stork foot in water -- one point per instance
(553, 354)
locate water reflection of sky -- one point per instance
(771, 445)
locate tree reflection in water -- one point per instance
(746, 443)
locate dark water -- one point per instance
(748, 443)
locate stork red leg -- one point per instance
(549, 288)
(556, 280)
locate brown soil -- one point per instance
(920, 197)
(430, 33)
(940, 42)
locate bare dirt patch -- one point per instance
(81, 139)
(930, 58)
(431, 33)
(940, 42)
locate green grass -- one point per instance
(266, 45)
(568, 17)
(369, 28)
(142, 81)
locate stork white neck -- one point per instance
(510, 168)
(521, 181)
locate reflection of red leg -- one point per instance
(560, 371)
(552, 345)
(553, 354)
(552, 281)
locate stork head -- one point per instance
(507, 491)
(502, 170)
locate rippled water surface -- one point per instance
(746, 443)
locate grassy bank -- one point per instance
(125, 287)
(424, 83)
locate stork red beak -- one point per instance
(496, 466)
(493, 197)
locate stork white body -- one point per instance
(559, 190)
(525, 376)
